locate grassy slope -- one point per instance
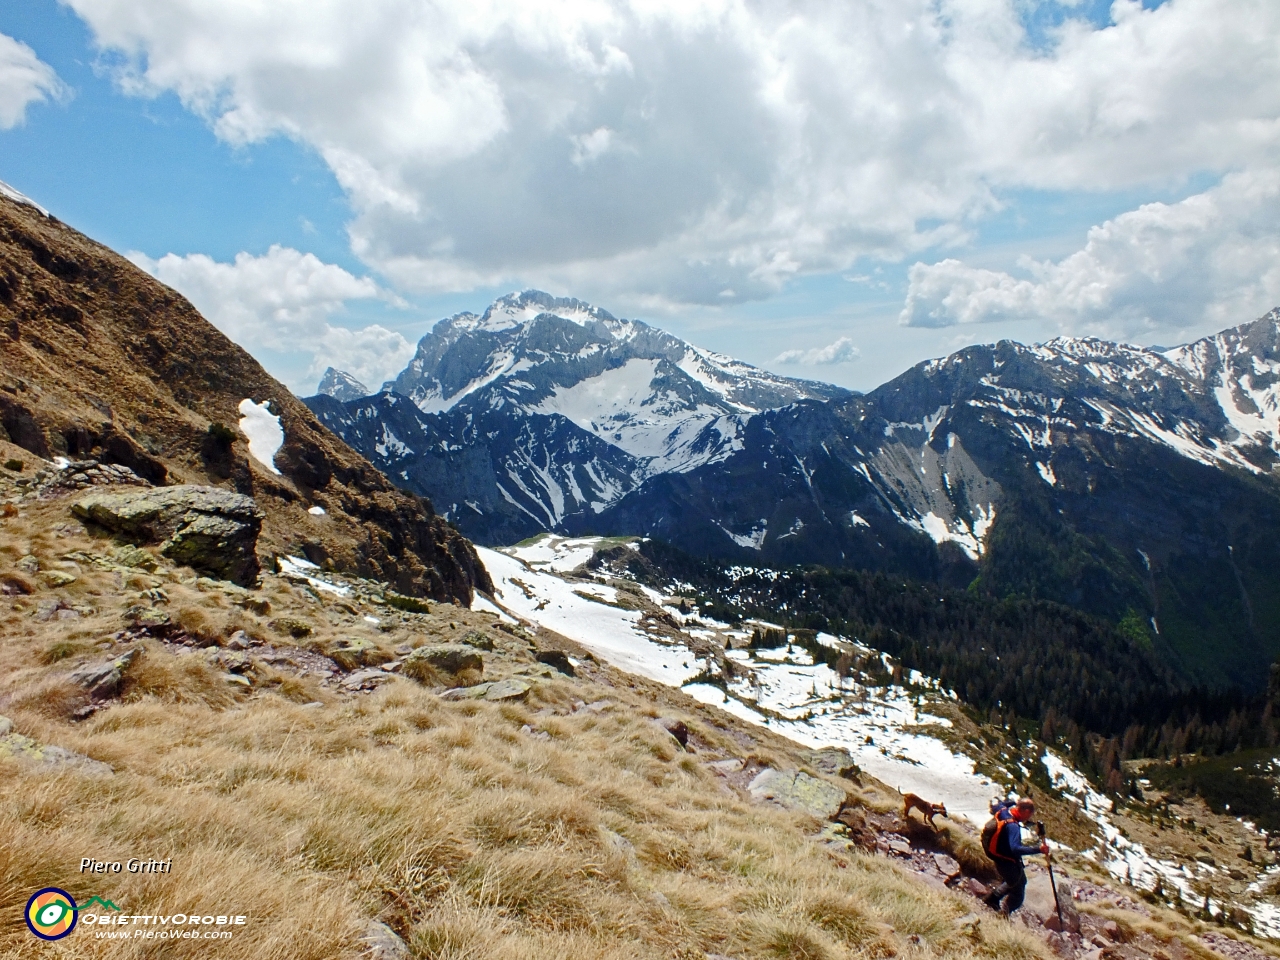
(470, 837)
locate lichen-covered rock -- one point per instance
(477, 639)
(798, 791)
(292, 626)
(206, 528)
(444, 657)
(136, 557)
(102, 680)
(510, 689)
(18, 747)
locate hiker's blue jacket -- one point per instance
(1009, 841)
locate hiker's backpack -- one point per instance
(991, 832)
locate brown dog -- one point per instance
(927, 810)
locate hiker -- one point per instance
(1004, 846)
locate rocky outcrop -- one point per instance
(102, 680)
(797, 791)
(206, 528)
(443, 657)
(100, 361)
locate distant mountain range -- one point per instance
(545, 408)
(1135, 483)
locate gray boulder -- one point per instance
(206, 528)
(797, 791)
(445, 657)
(1040, 903)
(512, 688)
(102, 680)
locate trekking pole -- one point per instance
(1062, 927)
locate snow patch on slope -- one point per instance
(262, 429)
(609, 631)
(17, 197)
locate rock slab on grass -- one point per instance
(445, 657)
(206, 528)
(797, 791)
(102, 680)
(17, 746)
(509, 689)
(467, 693)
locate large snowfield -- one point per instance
(887, 733)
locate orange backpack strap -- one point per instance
(994, 845)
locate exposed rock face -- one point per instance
(206, 528)
(99, 360)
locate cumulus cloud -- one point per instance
(24, 79)
(842, 351)
(677, 150)
(283, 301)
(1207, 262)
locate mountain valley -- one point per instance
(232, 641)
(1133, 484)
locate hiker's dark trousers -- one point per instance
(1015, 882)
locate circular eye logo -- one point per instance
(51, 913)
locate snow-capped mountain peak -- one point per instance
(341, 386)
(576, 406)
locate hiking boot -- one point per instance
(992, 900)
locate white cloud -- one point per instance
(589, 147)
(24, 80)
(282, 301)
(1204, 263)
(842, 351)
(479, 141)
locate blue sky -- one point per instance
(326, 182)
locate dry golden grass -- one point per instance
(470, 838)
